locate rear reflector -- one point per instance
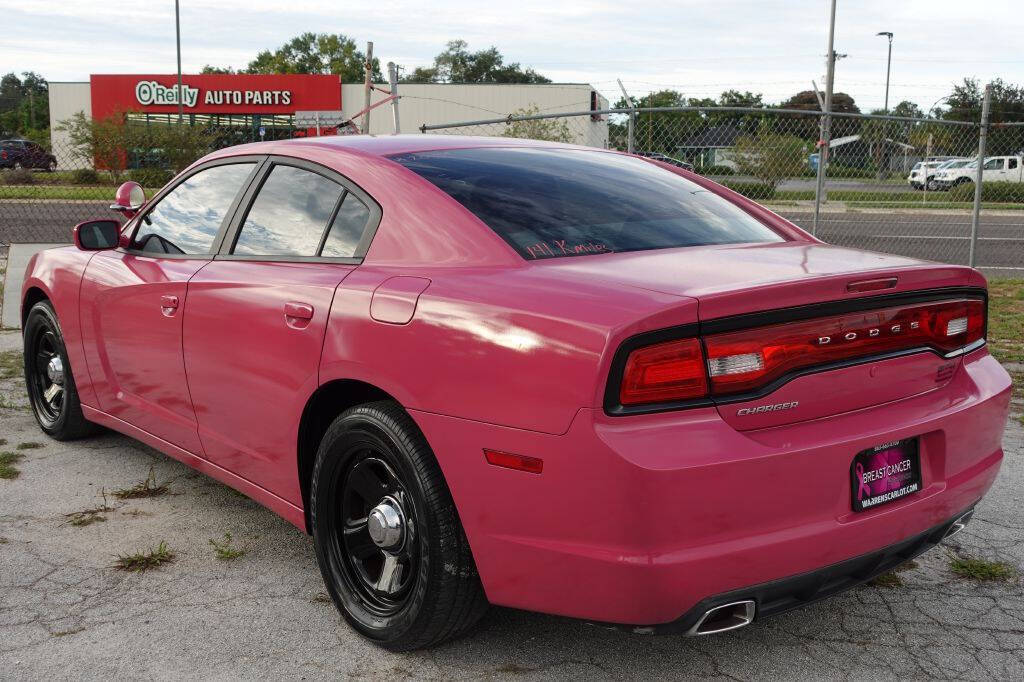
(531, 465)
(664, 372)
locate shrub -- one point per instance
(150, 177)
(752, 190)
(18, 176)
(716, 170)
(85, 176)
(990, 191)
(770, 157)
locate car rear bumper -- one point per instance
(639, 520)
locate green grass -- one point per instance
(224, 549)
(145, 561)
(142, 489)
(1006, 319)
(890, 580)
(7, 461)
(982, 570)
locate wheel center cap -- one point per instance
(386, 524)
(55, 370)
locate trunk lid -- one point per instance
(738, 286)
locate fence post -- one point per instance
(630, 128)
(982, 139)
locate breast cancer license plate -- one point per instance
(885, 473)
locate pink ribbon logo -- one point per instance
(863, 489)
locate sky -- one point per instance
(697, 47)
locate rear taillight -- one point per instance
(751, 360)
(664, 372)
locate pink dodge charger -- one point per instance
(494, 371)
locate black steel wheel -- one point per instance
(48, 379)
(388, 539)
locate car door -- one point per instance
(132, 301)
(255, 317)
(993, 169)
(1012, 173)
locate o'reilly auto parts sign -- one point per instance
(214, 93)
(152, 92)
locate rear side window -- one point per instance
(289, 215)
(186, 220)
(347, 228)
(550, 203)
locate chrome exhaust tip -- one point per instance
(731, 616)
(958, 525)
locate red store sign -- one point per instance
(215, 93)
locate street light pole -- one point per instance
(888, 67)
(177, 37)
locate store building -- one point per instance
(250, 107)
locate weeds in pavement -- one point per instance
(224, 550)
(144, 561)
(147, 488)
(87, 517)
(3, 541)
(3, 442)
(11, 364)
(890, 579)
(30, 445)
(7, 462)
(908, 566)
(981, 569)
(65, 633)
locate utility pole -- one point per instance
(982, 141)
(826, 126)
(393, 81)
(631, 124)
(368, 88)
(888, 67)
(177, 37)
(31, 109)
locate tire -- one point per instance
(60, 417)
(376, 451)
(51, 166)
(933, 186)
(17, 165)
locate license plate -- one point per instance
(885, 473)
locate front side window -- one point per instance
(994, 164)
(186, 220)
(289, 215)
(549, 203)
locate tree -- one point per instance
(309, 52)
(1007, 105)
(101, 142)
(24, 105)
(807, 126)
(770, 157)
(550, 129)
(456, 64)
(662, 132)
(734, 98)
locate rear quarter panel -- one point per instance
(507, 346)
(57, 273)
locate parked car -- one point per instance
(494, 371)
(996, 169)
(923, 173)
(25, 154)
(672, 161)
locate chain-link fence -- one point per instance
(891, 184)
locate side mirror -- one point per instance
(96, 235)
(129, 199)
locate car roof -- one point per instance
(387, 145)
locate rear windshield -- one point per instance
(550, 203)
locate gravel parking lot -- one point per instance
(67, 612)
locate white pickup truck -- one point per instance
(996, 169)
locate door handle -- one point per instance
(168, 305)
(298, 311)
